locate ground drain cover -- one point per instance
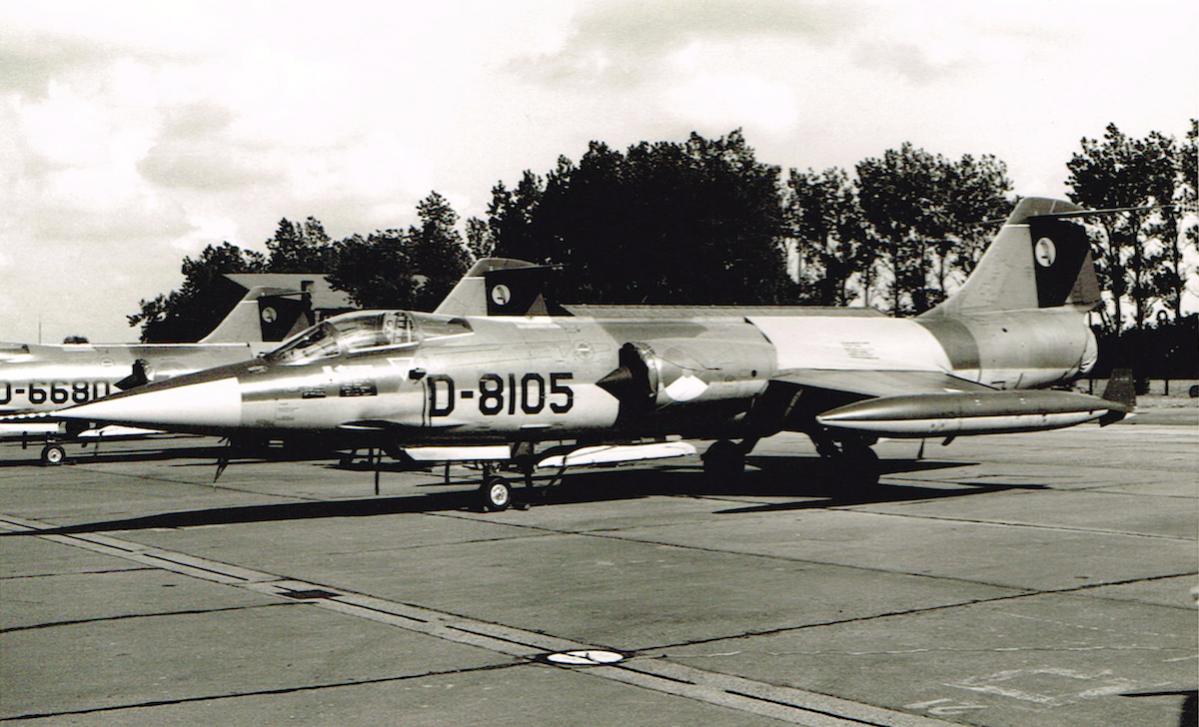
(309, 594)
(583, 657)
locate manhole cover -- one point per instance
(584, 657)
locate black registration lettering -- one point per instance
(438, 406)
(558, 387)
(491, 394)
(500, 393)
(532, 393)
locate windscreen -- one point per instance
(353, 333)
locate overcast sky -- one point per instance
(132, 134)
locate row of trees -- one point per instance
(704, 222)
(409, 268)
(1140, 254)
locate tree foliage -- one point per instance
(192, 311)
(1139, 251)
(703, 221)
(694, 222)
(926, 209)
(837, 250)
(374, 270)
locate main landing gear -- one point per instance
(851, 460)
(724, 462)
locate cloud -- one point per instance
(905, 59)
(194, 151)
(28, 61)
(624, 41)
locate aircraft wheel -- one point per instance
(860, 465)
(52, 455)
(724, 463)
(496, 494)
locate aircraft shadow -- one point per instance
(1188, 712)
(89, 456)
(778, 478)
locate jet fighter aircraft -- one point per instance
(501, 374)
(36, 379)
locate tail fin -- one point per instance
(497, 286)
(1036, 261)
(264, 314)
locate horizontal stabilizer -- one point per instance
(1120, 389)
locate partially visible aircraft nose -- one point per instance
(213, 403)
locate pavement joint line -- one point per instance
(613, 535)
(1007, 523)
(128, 616)
(688, 682)
(263, 692)
(913, 611)
(106, 571)
(205, 485)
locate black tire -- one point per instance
(495, 494)
(724, 463)
(859, 466)
(53, 455)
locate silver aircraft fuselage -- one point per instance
(506, 379)
(44, 377)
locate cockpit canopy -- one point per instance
(354, 333)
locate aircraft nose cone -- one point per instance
(184, 406)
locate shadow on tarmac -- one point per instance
(775, 476)
(208, 454)
(1188, 714)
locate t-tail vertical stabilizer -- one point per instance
(1036, 261)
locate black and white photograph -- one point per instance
(606, 362)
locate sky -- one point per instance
(134, 133)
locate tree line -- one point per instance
(703, 221)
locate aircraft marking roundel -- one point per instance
(1045, 252)
(500, 295)
(269, 315)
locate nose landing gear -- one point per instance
(495, 493)
(53, 455)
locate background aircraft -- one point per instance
(41, 378)
(501, 374)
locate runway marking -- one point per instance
(788, 704)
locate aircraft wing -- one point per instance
(880, 383)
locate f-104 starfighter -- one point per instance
(500, 373)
